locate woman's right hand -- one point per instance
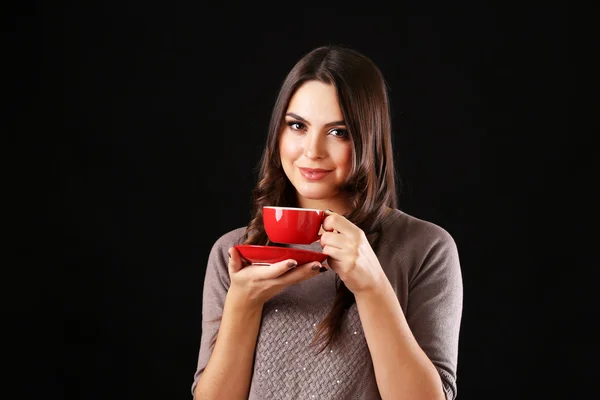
(253, 285)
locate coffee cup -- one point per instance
(291, 225)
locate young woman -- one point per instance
(381, 317)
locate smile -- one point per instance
(314, 174)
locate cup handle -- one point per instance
(318, 236)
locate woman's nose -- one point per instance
(313, 146)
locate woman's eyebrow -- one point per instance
(303, 120)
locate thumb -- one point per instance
(235, 260)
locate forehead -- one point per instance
(317, 102)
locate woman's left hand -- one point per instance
(350, 254)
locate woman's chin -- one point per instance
(315, 194)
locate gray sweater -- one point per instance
(421, 261)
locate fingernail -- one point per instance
(323, 269)
(316, 266)
(229, 254)
(292, 264)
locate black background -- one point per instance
(141, 125)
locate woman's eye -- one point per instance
(297, 126)
(339, 132)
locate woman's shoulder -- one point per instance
(419, 245)
(400, 224)
(231, 238)
(220, 248)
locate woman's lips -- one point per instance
(314, 174)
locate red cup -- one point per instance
(292, 225)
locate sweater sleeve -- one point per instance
(216, 285)
(434, 309)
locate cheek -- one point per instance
(288, 148)
(344, 158)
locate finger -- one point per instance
(339, 223)
(334, 253)
(272, 271)
(300, 274)
(236, 262)
(334, 240)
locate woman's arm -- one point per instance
(229, 369)
(402, 369)
(414, 351)
(229, 366)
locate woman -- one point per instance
(381, 317)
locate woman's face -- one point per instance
(315, 150)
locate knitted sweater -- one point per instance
(420, 260)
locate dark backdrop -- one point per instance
(142, 125)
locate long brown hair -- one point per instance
(371, 186)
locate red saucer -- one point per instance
(272, 254)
